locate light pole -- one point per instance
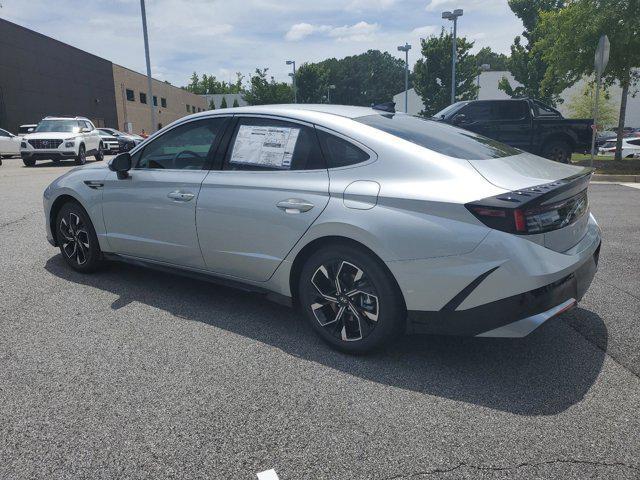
(405, 48)
(329, 88)
(454, 17)
(146, 54)
(293, 80)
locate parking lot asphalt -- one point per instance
(131, 373)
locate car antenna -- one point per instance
(385, 107)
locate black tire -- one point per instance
(81, 158)
(99, 156)
(0, 160)
(77, 238)
(28, 162)
(377, 301)
(558, 150)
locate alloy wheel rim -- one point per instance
(75, 238)
(83, 157)
(345, 302)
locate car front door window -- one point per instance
(185, 147)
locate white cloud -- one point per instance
(359, 32)
(302, 30)
(426, 31)
(360, 5)
(466, 5)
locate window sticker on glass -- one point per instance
(265, 146)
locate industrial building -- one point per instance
(41, 76)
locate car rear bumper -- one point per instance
(514, 316)
(505, 279)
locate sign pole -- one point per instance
(595, 119)
(600, 63)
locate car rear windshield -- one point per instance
(70, 126)
(439, 137)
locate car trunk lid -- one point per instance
(544, 197)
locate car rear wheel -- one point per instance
(559, 151)
(100, 154)
(81, 158)
(350, 299)
(77, 238)
(28, 162)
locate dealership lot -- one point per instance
(131, 373)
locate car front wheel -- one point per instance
(99, 154)
(77, 238)
(81, 158)
(350, 299)
(559, 150)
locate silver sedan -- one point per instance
(372, 223)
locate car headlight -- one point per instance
(69, 142)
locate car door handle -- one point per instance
(180, 196)
(294, 205)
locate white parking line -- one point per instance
(268, 475)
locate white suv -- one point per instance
(57, 138)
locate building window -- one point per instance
(163, 102)
(193, 108)
(188, 108)
(155, 101)
(130, 95)
(143, 97)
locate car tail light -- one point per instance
(535, 210)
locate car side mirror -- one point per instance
(85, 130)
(29, 130)
(459, 119)
(121, 164)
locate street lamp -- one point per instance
(406, 49)
(293, 80)
(329, 88)
(146, 54)
(454, 17)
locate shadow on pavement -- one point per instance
(543, 374)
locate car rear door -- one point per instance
(272, 185)
(151, 213)
(512, 121)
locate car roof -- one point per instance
(65, 118)
(299, 111)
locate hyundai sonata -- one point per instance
(373, 223)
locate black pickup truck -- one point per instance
(523, 123)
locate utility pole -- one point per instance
(293, 80)
(405, 48)
(146, 54)
(453, 17)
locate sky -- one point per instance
(222, 37)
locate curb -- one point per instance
(615, 178)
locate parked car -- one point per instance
(527, 124)
(28, 128)
(110, 143)
(126, 141)
(605, 136)
(9, 144)
(630, 146)
(57, 138)
(373, 223)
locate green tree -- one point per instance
(528, 67)
(195, 86)
(497, 61)
(432, 72)
(235, 102)
(568, 39)
(370, 77)
(264, 91)
(212, 105)
(223, 103)
(582, 104)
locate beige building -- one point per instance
(132, 104)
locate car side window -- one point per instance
(264, 144)
(634, 142)
(340, 152)
(185, 147)
(4, 133)
(510, 110)
(476, 112)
